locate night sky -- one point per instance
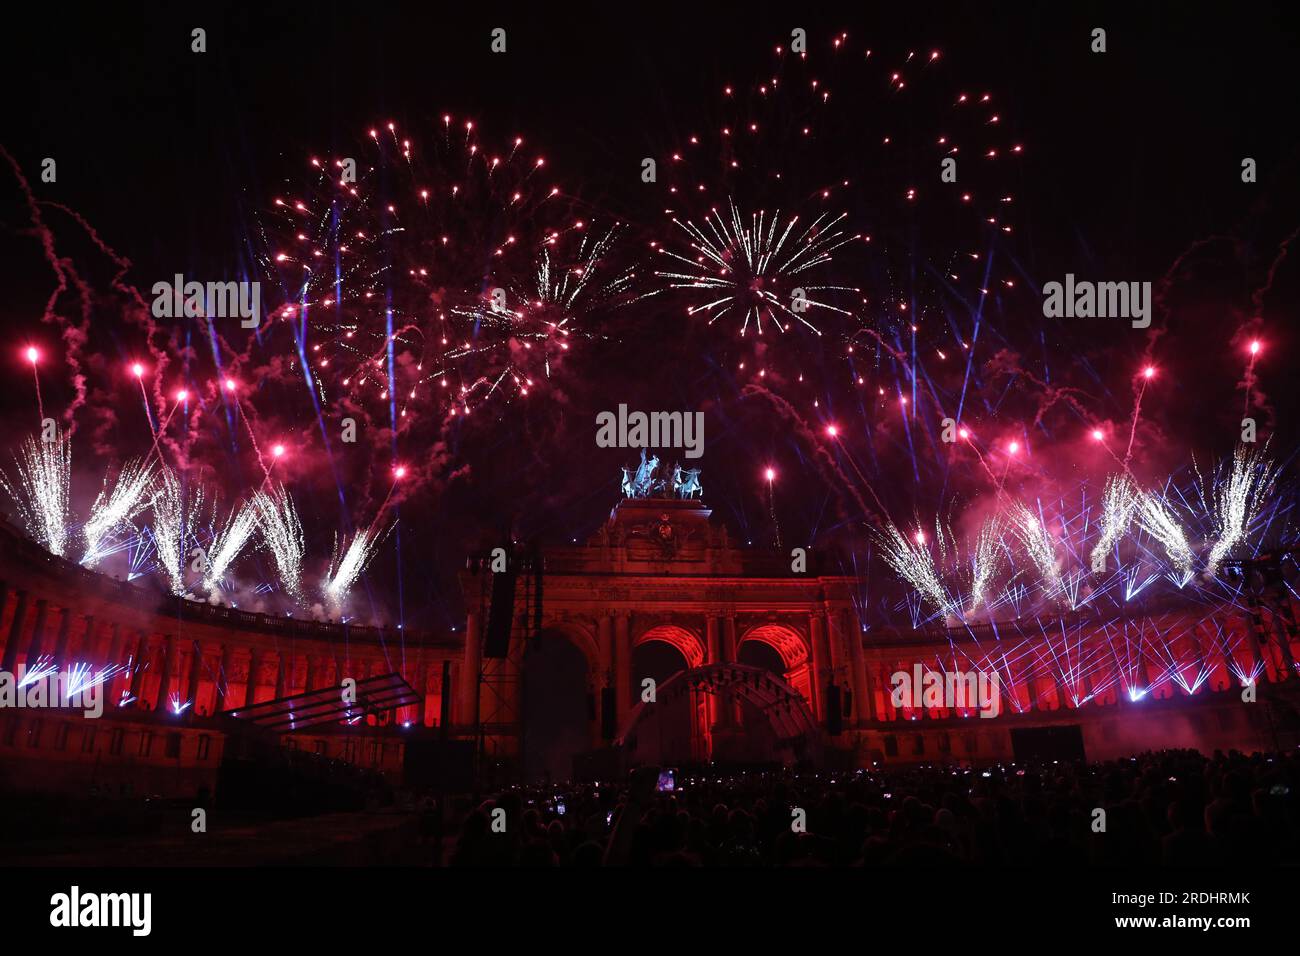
(1129, 171)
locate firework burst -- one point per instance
(1158, 519)
(229, 542)
(757, 269)
(912, 561)
(347, 566)
(985, 560)
(176, 515)
(44, 471)
(1119, 501)
(1236, 500)
(116, 509)
(1040, 546)
(543, 317)
(407, 271)
(282, 533)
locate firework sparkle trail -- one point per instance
(116, 509)
(282, 533)
(44, 474)
(347, 565)
(1237, 500)
(176, 515)
(1119, 500)
(229, 542)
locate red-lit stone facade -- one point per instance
(659, 571)
(203, 658)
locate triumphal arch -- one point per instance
(685, 645)
(752, 648)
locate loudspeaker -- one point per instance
(848, 702)
(501, 613)
(608, 717)
(834, 710)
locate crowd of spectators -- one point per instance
(1171, 807)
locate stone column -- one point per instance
(15, 634)
(622, 666)
(863, 705)
(165, 681)
(196, 675)
(61, 644)
(604, 678)
(313, 672)
(1230, 664)
(138, 664)
(454, 700)
(38, 633)
(727, 647)
(250, 689)
(114, 658)
(883, 675)
(605, 648)
(713, 642)
(281, 681)
(835, 647)
(223, 675)
(90, 642)
(469, 673)
(821, 662)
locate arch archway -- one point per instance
(686, 640)
(555, 705)
(661, 654)
(794, 733)
(783, 650)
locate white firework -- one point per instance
(44, 470)
(348, 565)
(985, 561)
(175, 516)
(115, 509)
(1157, 519)
(282, 534)
(1118, 502)
(1237, 499)
(547, 315)
(1040, 547)
(228, 543)
(756, 270)
(912, 562)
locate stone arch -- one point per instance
(581, 635)
(787, 641)
(794, 648)
(686, 640)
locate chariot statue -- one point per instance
(646, 483)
